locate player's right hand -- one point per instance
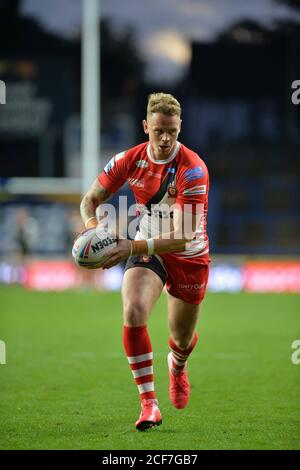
(118, 254)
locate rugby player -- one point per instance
(169, 182)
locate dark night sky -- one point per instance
(163, 28)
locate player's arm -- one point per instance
(176, 240)
(95, 196)
(184, 231)
(185, 224)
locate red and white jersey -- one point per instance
(181, 179)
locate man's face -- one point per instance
(163, 131)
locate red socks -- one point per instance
(139, 353)
(180, 356)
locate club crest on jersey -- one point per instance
(141, 164)
(172, 190)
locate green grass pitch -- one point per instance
(67, 383)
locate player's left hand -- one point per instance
(121, 252)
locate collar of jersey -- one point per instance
(168, 160)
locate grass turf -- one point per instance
(67, 384)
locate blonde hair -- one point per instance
(164, 103)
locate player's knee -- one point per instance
(135, 314)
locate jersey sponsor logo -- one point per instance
(119, 156)
(192, 286)
(155, 175)
(110, 165)
(141, 164)
(194, 173)
(200, 189)
(136, 182)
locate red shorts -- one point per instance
(185, 279)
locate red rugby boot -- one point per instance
(179, 388)
(150, 415)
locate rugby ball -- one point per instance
(92, 247)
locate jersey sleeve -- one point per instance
(115, 172)
(193, 186)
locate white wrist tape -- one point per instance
(150, 243)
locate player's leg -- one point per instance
(186, 285)
(140, 290)
(182, 319)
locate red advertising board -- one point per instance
(271, 276)
(52, 275)
(253, 276)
